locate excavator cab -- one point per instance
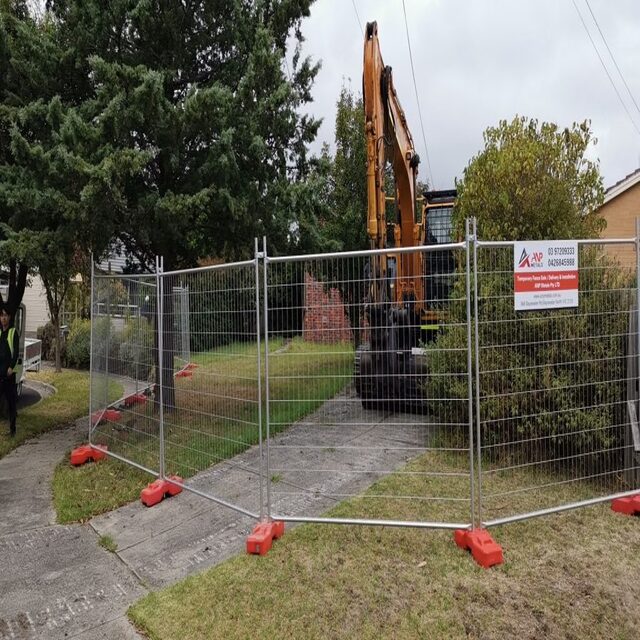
(439, 265)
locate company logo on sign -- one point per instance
(530, 260)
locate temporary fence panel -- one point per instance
(123, 368)
(551, 391)
(282, 386)
(365, 402)
(211, 395)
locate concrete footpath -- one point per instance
(57, 582)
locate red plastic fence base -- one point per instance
(159, 489)
(191, 366)
(263, 535)
(484, 549)
(184, 373)
(87, 453)
(112, 415)
(136, 398)
(629, 506)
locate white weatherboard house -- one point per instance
(35, 301)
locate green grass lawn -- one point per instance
(70, 402)
(573, 575)
(215, 418)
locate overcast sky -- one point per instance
(479, 61)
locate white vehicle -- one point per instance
(19, 324)
(29, 351)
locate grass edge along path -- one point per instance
(83, 492)
(70, 402)
(572, 575)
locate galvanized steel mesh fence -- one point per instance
(355, 411)
(281, 387)
(212, 403)
(123, 366)
(551, 397)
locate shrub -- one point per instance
(136, 345)
(552, 383)
(47, 335)
(79, 344)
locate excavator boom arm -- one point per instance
(388, 136)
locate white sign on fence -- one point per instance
(545, 274)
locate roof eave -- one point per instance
(618, 189)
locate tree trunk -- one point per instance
(55, 317)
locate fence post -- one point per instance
(257, 255)
(637, 381)
(91, 360)
(107, 346)
(266, 374)
(468, 240)
(474, 232)
(160, 372)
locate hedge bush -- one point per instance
(552, 383)
(78, 353)
(47, 336)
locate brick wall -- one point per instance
(620, 214)
(325, 319)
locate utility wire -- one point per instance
(604, 66)
(612, 57)
(353, 2)
(415, 86)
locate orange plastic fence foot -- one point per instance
(160, 489)
(136, 398)
(629, 506)
(260, 540)
(87, 453)
(184, 373)
(484, 549)
(112, 415)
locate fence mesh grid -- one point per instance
(358, 410)
(429, 412)
(554, 424)
(123, 368)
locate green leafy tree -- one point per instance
(41, 180)
(26, 69)
(190, 126)
(532, 181)
(346, 221)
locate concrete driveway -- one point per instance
(57, 582)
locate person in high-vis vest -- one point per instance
(9, 347)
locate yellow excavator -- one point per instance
(402, 307)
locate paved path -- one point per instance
(58, 582)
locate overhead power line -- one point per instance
(415, 86)
(626, 86)
(353, 2)
(604, 66)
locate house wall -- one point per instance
(35, 301)
(620, 214)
